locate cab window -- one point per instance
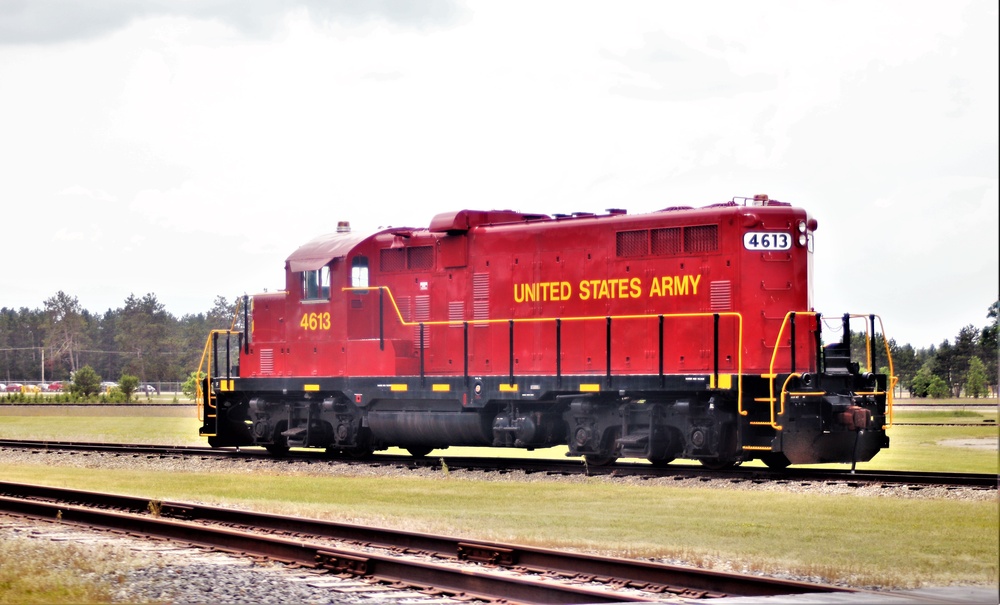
(359, 272)
(316, 284)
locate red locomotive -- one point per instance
(682, 333)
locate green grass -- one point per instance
(859, 540)
(923, 448)
(946, 400)
(946, 416)
(912, 448)
(148, 429)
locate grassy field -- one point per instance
(928, 448)
(859, 540)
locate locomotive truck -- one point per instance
(682, 333)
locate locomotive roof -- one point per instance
(321, 250)
(325, 248)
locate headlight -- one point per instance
(802, 226)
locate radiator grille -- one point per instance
(632, 243)
(667, 241)
(704, 238)
(420, 257)
(392, 259)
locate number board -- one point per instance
(767, 240)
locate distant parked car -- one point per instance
(14, 387)
(55, 386)
(3, 388)
(107, 386)
(148, 389)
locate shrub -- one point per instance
(85, 382)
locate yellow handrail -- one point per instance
(204, 399)
(771, 375)
(893, 379)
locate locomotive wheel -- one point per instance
(716, 464)
(599, 460)
(277, 449)
(279, 443)
(660, 462)
(608, 454)
(775, 460)
(360, 452)
(419, 451)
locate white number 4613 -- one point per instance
(767, 240)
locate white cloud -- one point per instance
(159, 139)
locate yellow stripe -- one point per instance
(590, 388)
(440, 387)
(758, 448)
(311, 387)
(508, 388)
(398, 387)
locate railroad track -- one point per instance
(555, 467)
(452, 566)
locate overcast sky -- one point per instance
(187, 148)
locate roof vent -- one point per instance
(343, 227)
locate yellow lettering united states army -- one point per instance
(542, 291)
(675, 285)
(597, 289)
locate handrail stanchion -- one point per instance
(607, 338)
(465, 351)
(511, 324)
(660, 346)
(819, 343)
(422, 382)
(846, 336)
(792, 335)
(715, 349)
(246, 324)
(381, 319)
(873, 364)
(215, 353)
(558, 352)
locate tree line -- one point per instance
(142, 339)
(967, 366)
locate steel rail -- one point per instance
(650, 577)
(419, 574)
(564, 467)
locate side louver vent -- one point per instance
(722, 295)
(267, 361)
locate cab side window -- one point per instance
(359, 272)
(316, 284)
